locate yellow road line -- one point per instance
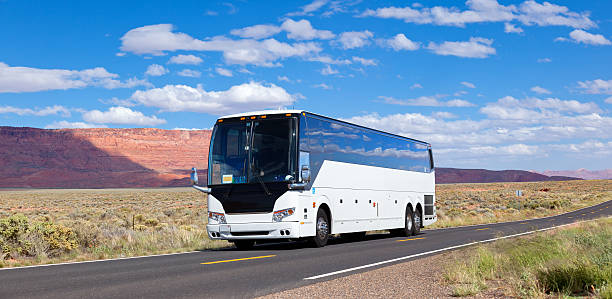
(242, 259)
(483, 228)
(524, 223)
(410, 239)
(570, 217)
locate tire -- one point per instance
(418, 221)
(321, 230)
(244, 244)
(408, 229)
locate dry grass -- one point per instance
(571, 261)
(112, 223)
(466, 204)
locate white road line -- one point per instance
(96, 261)
(435, 251)
(530, 219)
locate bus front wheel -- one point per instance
(321, 230)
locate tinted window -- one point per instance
(273, 150)
(351, 144)
(229, 155)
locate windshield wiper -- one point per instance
(263, 185)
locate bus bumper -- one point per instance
(238, 231)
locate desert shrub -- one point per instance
(573, 279)
(19, 236)
(151, 222)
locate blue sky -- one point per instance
(498, 85)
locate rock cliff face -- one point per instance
(119, 158)
(100, 158)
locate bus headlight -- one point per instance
(279, 215)
(217, 217)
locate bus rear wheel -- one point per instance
(244, 244)
(408, 229)
(321, 230)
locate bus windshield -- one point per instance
(250, 152)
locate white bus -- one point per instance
(292, 174)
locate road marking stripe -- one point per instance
(531, 219)
(104, 260)
(410, 239)
(483, 228)
(242, 259)
(437, 250)
(524, 223)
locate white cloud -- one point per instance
(581, 36)
(49, 110)
(283, 78)
(328, 70)
(189, 73)
(426, 101)
(479, 11)
(224, 72)
(510, 28)
(512, 108)
(400, 42)
(26, 79)
(158, 39)
(185, 59)
(416, 85)
(121, 115)
(609, 100)
(309, 8)
(323, 86)
(238, 98)
(544, 60)
(156, 70)
(364, 61)
(548, 14)
(62, 124)
(355, 39)
(155, 39)
(329, 60)
(257, 31)
(302, 30)
(540, 90)
(597, 86)
(476, 47)
(468, 84)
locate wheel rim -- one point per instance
(322, 228)
(417, 220)
(409, 221)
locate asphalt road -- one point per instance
(265, 269)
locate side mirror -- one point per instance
(194, 176)
(194, 182)
(305, 173)
(304, 166)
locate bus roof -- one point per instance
(262, 112)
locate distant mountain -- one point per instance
(604, 174)
(119, 158)
(456, 175)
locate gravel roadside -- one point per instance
(420, 278)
